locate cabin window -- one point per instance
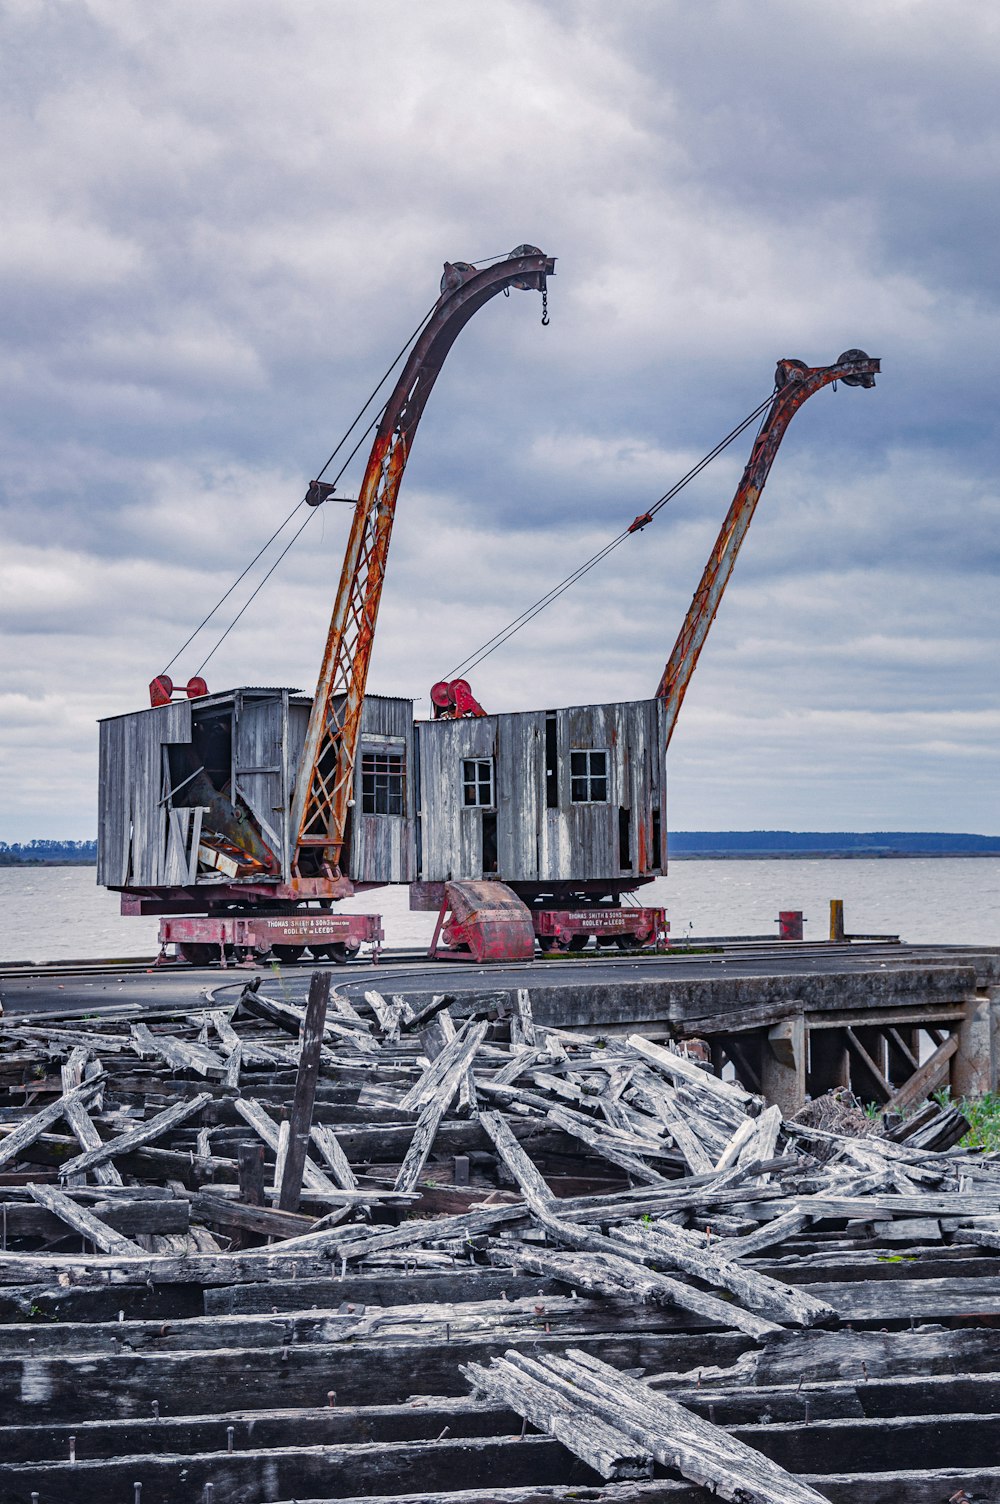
(477, 783)
(383, 788)
(588, 777)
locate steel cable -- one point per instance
(530, 612)
(263, 550)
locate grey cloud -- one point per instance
(221, 223)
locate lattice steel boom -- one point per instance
(795, 383)
(324, 788)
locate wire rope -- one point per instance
(263, 549)
(530, 612)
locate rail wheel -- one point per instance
(628, 942)
(578, 942)
(287, 953)
(198, 953)
(340, 952)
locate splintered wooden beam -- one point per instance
(88, 1137)
(82, 1221)
(25, 1134)
(665, 1244)
(328, 1144)
(681, 1069)
(527, 1175)
(720, 1312)
(674, 1435)
(612, 1146)
(263, 1124)
(303, 1101)
(177, 1053)
(610, 1452)
(453, 1061)
(522, 1025)
(143, 1133)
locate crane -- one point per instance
(323, 793)
(794, 383)
(234, 816)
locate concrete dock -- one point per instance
(890, 1021)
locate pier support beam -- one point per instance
(783, 1073)
(974, 1068)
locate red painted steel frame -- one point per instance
(796, 383)
(323, 793)
(257, 934)
(557, 928)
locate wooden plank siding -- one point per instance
(384, 847)
(260, 773)
(144, 842)
(132, 817)
(537, 843)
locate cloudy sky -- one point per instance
(222, 220)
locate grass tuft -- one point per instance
(982, 1114)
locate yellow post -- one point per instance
(836, 919)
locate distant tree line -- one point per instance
(829, 843)
(42, 853)
(683, 843)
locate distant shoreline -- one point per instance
(37, 862)
(689, 856)
(816, 856)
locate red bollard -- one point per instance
(790, 923)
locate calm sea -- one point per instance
(58, 913)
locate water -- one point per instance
(58, 913)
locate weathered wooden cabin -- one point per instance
(198, 793)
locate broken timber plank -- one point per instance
(177, 1053)
(25, 1134)
(761, 1144)
(522, 1024)
(606, 1143)
(760, 1292)
(71, 1070)
(462, 1048)
(87, 1137)
(328, 1144)
(600, 1445)
(528, 1177)
(143, 1133)
(304, 1097)
(675, 1436)
(251, 1111)
(83, 1221)
(682, 1069)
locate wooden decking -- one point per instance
(510, 1263)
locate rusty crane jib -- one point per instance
(323, 792)
(795, 383)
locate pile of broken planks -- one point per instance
(281, 1251)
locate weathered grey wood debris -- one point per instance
(565, 1391)
(664, 1217)
(145, 1133)
(610, 1452)
(83, 1221)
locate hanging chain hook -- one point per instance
(545, 306)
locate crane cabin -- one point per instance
(243, 818)
(564, 806)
